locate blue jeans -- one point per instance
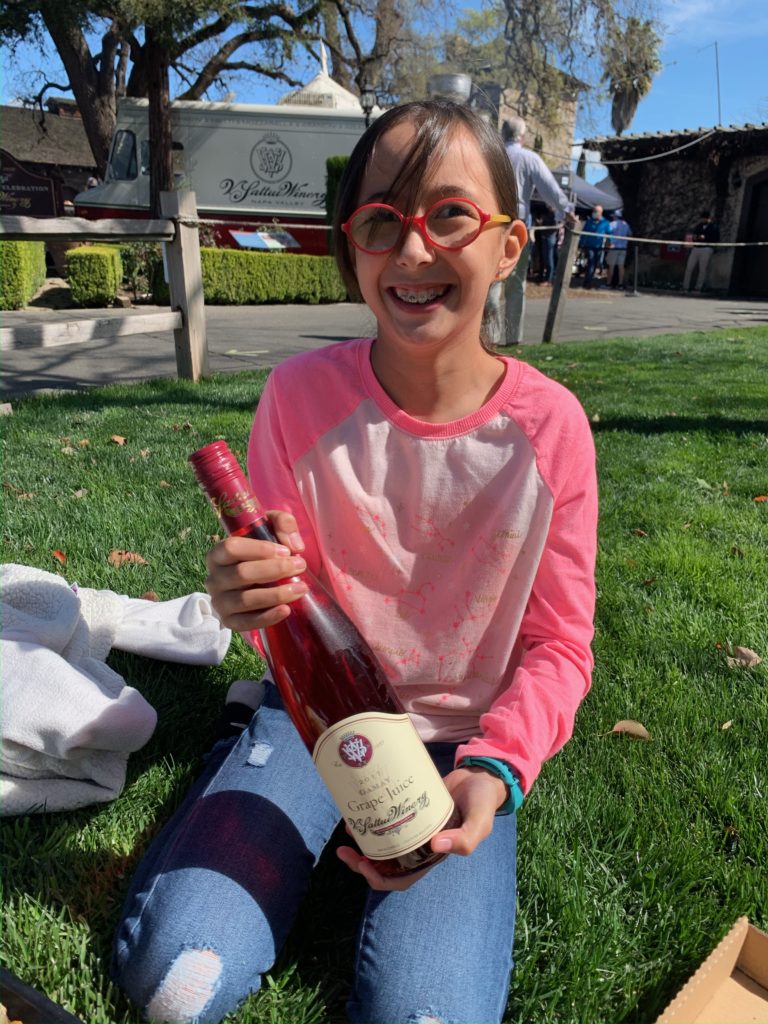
(216, 895)
(593, 262)
(550, 246)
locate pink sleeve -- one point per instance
(271, 457)
(534, 717)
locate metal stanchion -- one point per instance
(635, 293)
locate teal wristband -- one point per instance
(502, 771)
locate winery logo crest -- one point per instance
(355, 750)
(270, 158)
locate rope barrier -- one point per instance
(533, 231)
(263, 225)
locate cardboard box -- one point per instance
(730, 987)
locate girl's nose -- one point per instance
(414, 246)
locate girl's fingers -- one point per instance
(286, 530)
(359, 864)
(244, 576)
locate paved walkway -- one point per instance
(250, 337)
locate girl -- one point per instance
(446, 496)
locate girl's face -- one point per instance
(421, 295)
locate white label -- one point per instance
(384, 782)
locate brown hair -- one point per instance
(436, 123)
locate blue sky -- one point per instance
(684, 94)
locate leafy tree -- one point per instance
(541, 50)
(589, 39)
(630, 60)
(202, 41)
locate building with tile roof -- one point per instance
(50, 145)
(667, 179)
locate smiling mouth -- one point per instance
(421, 296)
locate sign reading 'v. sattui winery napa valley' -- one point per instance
(271, 162)
(23, 193)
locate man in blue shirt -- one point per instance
(616, 254)
(592, 242)
(506, 322)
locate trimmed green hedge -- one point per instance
(235, 278)
(22, 272)
(94, 273)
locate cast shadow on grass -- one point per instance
(680, 425)
(210, 394)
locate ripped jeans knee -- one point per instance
(188, 987)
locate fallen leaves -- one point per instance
(742, 657)
(118, 439)
(629, 727)
(118, 557)
(60, 556)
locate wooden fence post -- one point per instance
(563, 274)
(185, 281)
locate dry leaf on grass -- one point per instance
(118, 439)
(760, 497)
(118, 557)
(60, 556)
(743, 657)
(628, 727)
(727, 725)
(150, 595)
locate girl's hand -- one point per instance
(242, 571)
(477, 795)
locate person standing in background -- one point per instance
(616, 255)
(698, 259)
(592, 242)
(506, 317)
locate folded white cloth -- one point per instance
(68, 720)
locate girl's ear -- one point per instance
(517, 238)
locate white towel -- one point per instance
(69, 721)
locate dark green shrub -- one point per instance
(231, 277)
(235, 278)
(22, 272)
(140, 262)
(94, 273)
(334, 168)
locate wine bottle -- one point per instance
(362, 741)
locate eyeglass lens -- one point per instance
(450, 223)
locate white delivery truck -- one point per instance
(250, 165)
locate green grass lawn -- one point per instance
(634, 857)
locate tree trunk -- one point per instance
(96, 105)
(160, 140)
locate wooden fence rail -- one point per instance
(186, 318)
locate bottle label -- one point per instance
(384, 783)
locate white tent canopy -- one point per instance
(322, 91)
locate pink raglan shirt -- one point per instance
(463, 551)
